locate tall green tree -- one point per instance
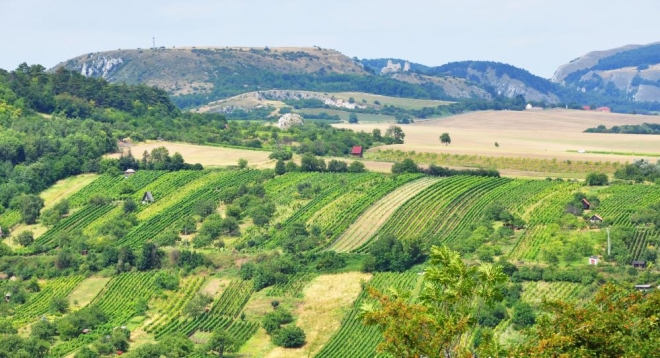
(220, 342)
(445, 139)
(448, 305)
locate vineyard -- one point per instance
(373, 218)
(222, 314)
(437, 210)
(354, 339)
(348, 212)
(37, 306)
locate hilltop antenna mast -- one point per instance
(153, 39)
(609, 242)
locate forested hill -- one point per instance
(196, 76)
(54, 125)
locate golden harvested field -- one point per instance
(206, 155)
(543, 134)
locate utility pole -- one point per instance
(609, 242)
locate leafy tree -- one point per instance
(6, 327)
(220, 342)
(166, 281)
(86, 352)
(197, 304)
(445, 139)
(205, 208)
(617, 322)
(523, 315)
(449, 302)
(50, 217)
(337, 166)
(242, 163)
(405, 166)
(280, 167)
(596, 179)
(129, 206)
(59, 304)
(352, 118)
(396, 133)
(290, 337)
(376, 134)
(356, 167)
(29, 206)
(25, 238)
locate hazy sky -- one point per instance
(537, 35)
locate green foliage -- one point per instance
(389, 254)
(596, 179)
(445, 139)
(523, 315)
(29, 206)
(273, 321)
(446, 307)
(405, 166)
(59, 305)
(166, 281)
(395, 133)
(352, 118)
(25, 238)
(220, 342)
(356, 167)
(289, 337)
(198, 304)
(587, 329)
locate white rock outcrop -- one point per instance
(288, 120)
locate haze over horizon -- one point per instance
(536, 35)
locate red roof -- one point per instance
(357, 149)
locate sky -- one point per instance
(537, 35)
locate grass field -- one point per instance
(251, 100)
(343, 115)
(65, 188)
(85, 292)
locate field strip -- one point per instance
(374, 218)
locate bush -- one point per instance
(59, 305)
(523, 315)
(166, 281)
(25, 238)
(596, 179)
(290, 337)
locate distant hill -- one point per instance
(628, 73)
(627, 79)
(197, 76)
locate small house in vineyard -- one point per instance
(585, 204)
(639, 264)
(593, 260)
(357, 151)
(147, 198)
(596, 219)
(129, 172)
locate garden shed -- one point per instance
(596, 219)
(147, 198)
(585, 204)
(639, 264)
(129, 172)
(357, 151)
